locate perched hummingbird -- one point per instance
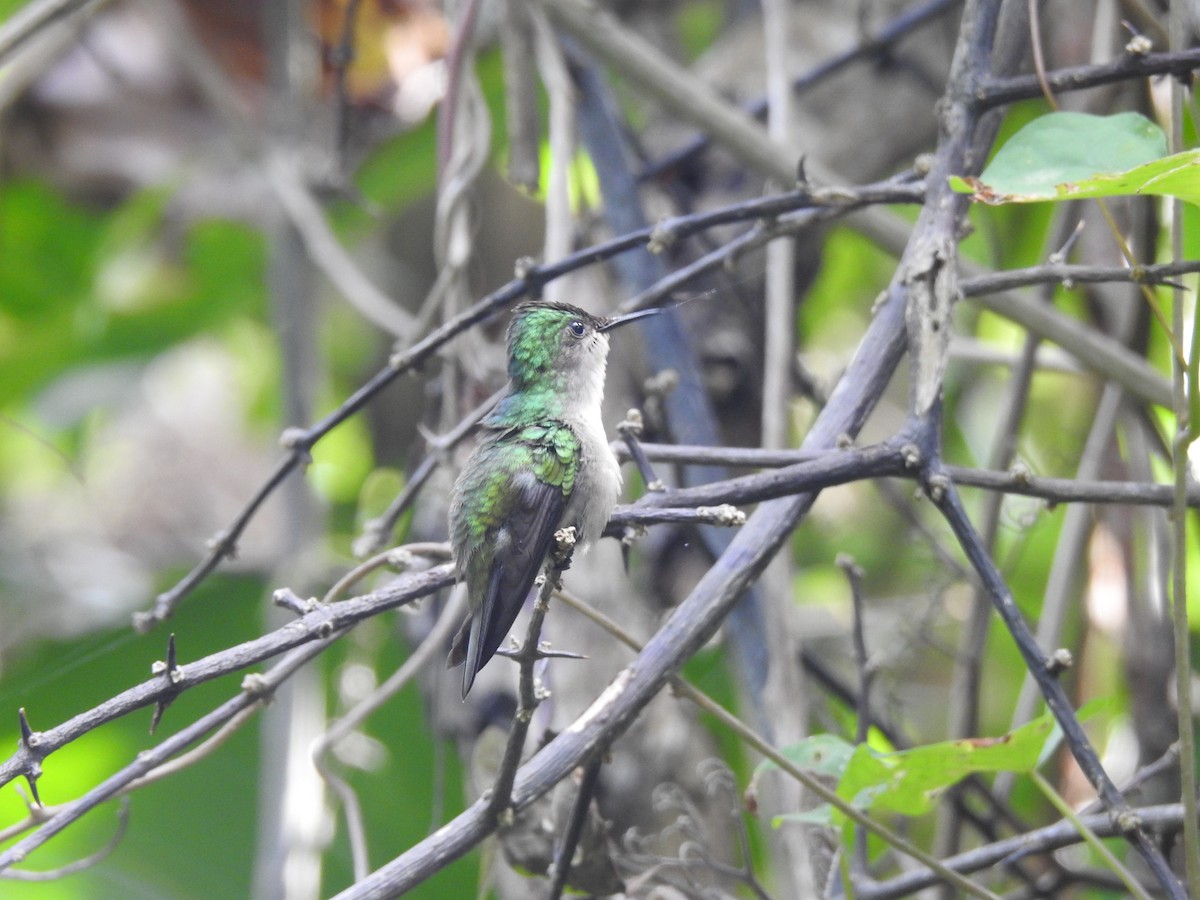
(543, 463)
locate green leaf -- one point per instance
(910, 782)
(1172, 176)
(821, 754)
(1068, 156)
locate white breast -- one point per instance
(598, 482)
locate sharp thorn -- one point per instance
(31, 780)
(26, 732)
(159, 708)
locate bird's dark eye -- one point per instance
(577, 328)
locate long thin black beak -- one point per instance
(618, 321)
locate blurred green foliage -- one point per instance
(80, 287)
(698, 24)
(84, 288)
(177, 827)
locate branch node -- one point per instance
(287, 599)
(399, 360)
(146, 621)
(847, 564)
(174, 677)
(221, 541)
(1126, 820)
(662, 238)
(295, 439)
(401, 559)
(632, 424)
(661, 383)
(1019, 473)
(911, 454)
(726, 515)
(526, 269)
(1139, 45)
(170, 667)
(631, 534)
(937, 486)
(1059, 661)
(257, 685)
(1059, 256)
(630, 430)
(564, 545)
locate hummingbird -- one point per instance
(543, 463)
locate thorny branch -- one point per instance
(529, 691)
(1045, 672)
(80, 864)
(531, 279)
(779, 218)
(1164, 820)
(315, 623)
(871, 46)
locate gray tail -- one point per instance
(474, 659)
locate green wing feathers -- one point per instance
(557, 455)
(484, 491)
(507, 505)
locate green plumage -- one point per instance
(548, 450)
(507, 504)
(542, 463)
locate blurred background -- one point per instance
(218, 218)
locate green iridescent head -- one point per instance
(549, 342)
